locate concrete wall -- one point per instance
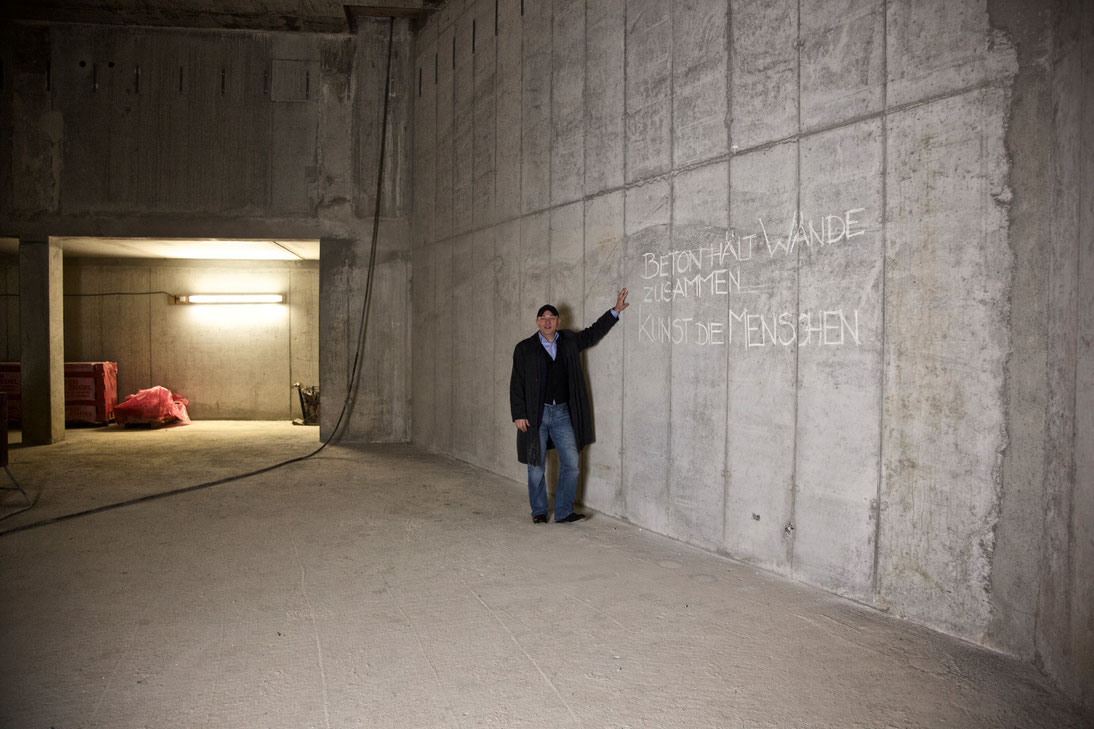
(1065, 614)
(9, 308)
(854, 237)
(171, 133)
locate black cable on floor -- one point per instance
(351, 386)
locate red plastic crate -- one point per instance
(11, 385)
(91, 391)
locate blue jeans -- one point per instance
(556, 424)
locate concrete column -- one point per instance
(41, 320)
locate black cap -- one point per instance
(546, 307)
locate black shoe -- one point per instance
(539, 518)
(572, 517)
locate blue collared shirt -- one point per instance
(551, 347)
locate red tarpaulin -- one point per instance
(156, 405)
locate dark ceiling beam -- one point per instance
(317, 16)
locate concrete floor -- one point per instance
(382, 586)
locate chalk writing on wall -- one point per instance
(721, 267)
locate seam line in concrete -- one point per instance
(476, 119)
(494, 268)
(623, 462)
(797, 300)
(552, 209)
(884, 272)
(551, 128)
(626, 137)
(432, 254)
(729, 223)
(584, 110)
(99, 317)
(289, 328)
(672, 226)
(151, 329)
(1074, 311)
(1084, 114)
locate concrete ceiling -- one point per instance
(181, 248)
(310, 16)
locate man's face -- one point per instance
(548, 325)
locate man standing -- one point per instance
(550, 404)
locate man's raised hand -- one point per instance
(621, 301)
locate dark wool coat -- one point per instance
(528, 385)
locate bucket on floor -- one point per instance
(309, 405)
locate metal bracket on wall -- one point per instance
(290, 79)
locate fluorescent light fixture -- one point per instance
(230, 299)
